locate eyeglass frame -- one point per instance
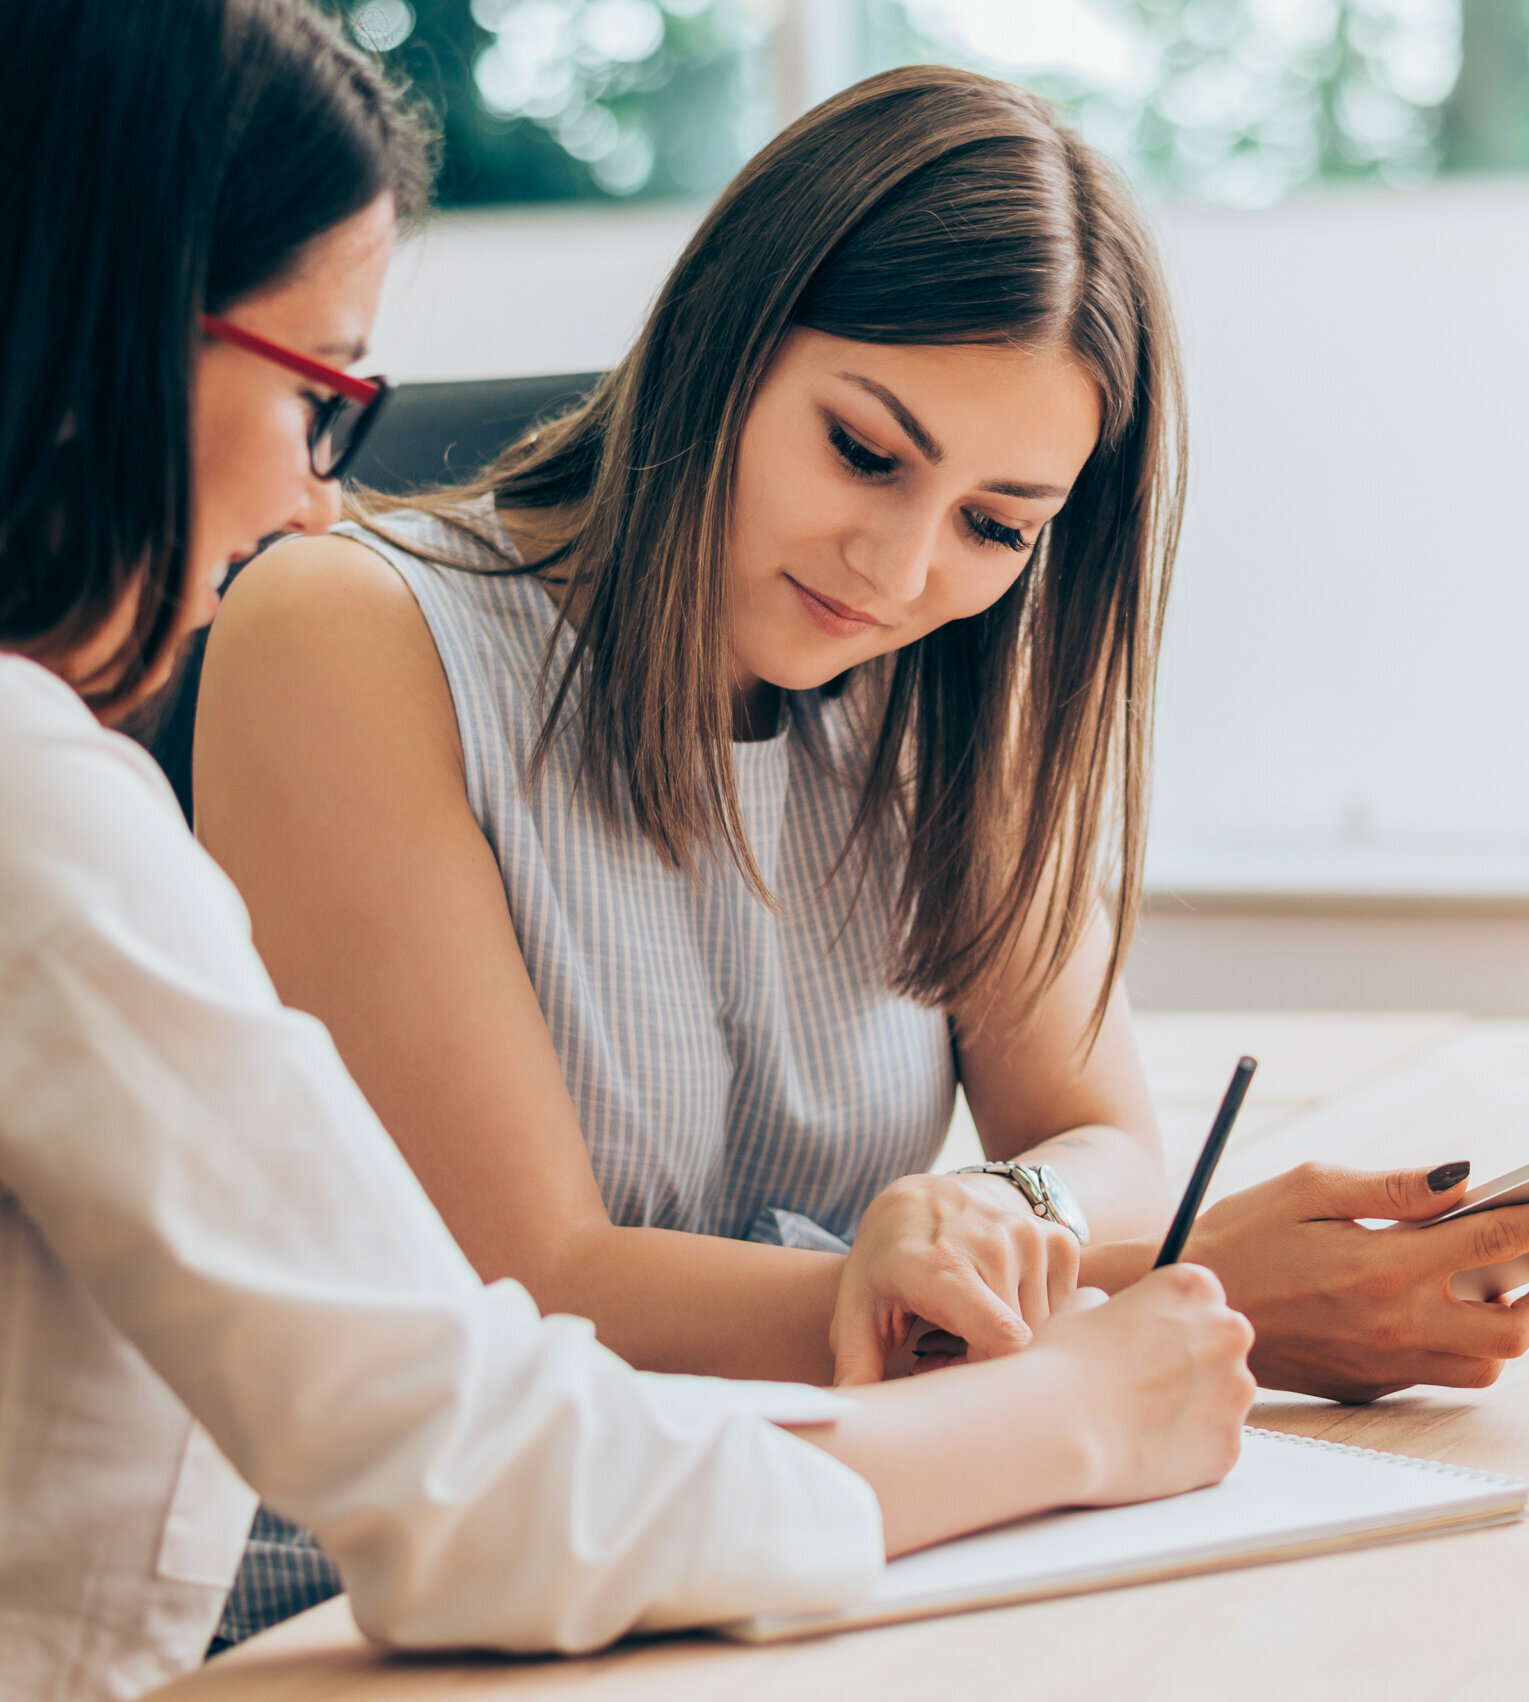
(371, 392)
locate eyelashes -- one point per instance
(860, 461)
(985, 527)
(864, 464)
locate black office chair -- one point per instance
(429, 434)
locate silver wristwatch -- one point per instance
(1048, 1194)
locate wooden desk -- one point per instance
(1414, 1622)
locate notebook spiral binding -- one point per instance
(1380, 1454)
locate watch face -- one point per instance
(1064, 1201)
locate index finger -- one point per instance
(965, 1306)
(1465, 1243)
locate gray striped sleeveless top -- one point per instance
(731, 1064)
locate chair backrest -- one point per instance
(429, 434)
(433, 434)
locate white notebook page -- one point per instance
(1284, 1493)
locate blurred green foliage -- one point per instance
(1232, 102)
(1238, 102)
(558, 100)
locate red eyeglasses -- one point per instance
(341, 422)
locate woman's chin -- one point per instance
(801, 676)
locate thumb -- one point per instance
(1328, 1191)
(859, 1354)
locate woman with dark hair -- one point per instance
(219, 1278)
(665, 825)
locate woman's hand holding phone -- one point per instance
(1354, 1313)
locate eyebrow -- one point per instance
(352, 351)
(934, 452)
(1025, 492)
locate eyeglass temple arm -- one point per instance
(356, 389)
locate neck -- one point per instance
(756, 712)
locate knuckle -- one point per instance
(1241, 1331)
(1226, 1340)
(1010, 1333)
(1196, 1283)
(1398, 1189)
(1495, 1338)
(1311, 1179)
(902, 1188)
(1481, 1374)
(1498, 1238)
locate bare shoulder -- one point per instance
(320, 640)
(329, 591)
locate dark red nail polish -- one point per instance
(1447, 1175)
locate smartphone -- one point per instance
(1487, 1282)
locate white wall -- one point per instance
(1350, 954)
(500, 294)
(1346, 700)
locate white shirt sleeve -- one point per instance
(200, 1161)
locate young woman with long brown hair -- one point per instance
(761, 835)
(219, 1277)
(663, 826)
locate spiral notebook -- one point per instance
(1287, 1496)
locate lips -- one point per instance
(827, 613)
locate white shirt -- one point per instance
(218, 1276)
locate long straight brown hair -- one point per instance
(1010, 750)
(163, 158)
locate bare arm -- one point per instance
(329, 784)
(1038, 1092)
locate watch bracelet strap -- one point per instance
(1030, 1181)
(1039, 1202)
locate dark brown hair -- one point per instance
(923, 206)
(166, 156)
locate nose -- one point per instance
(894, 557)
(320, 507)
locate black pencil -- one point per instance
(1205, 1165)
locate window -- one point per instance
(1229, 102)
(1340, 191)
(566, 100)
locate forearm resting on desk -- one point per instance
(671, 1301)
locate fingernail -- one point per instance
(1448, 1176)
